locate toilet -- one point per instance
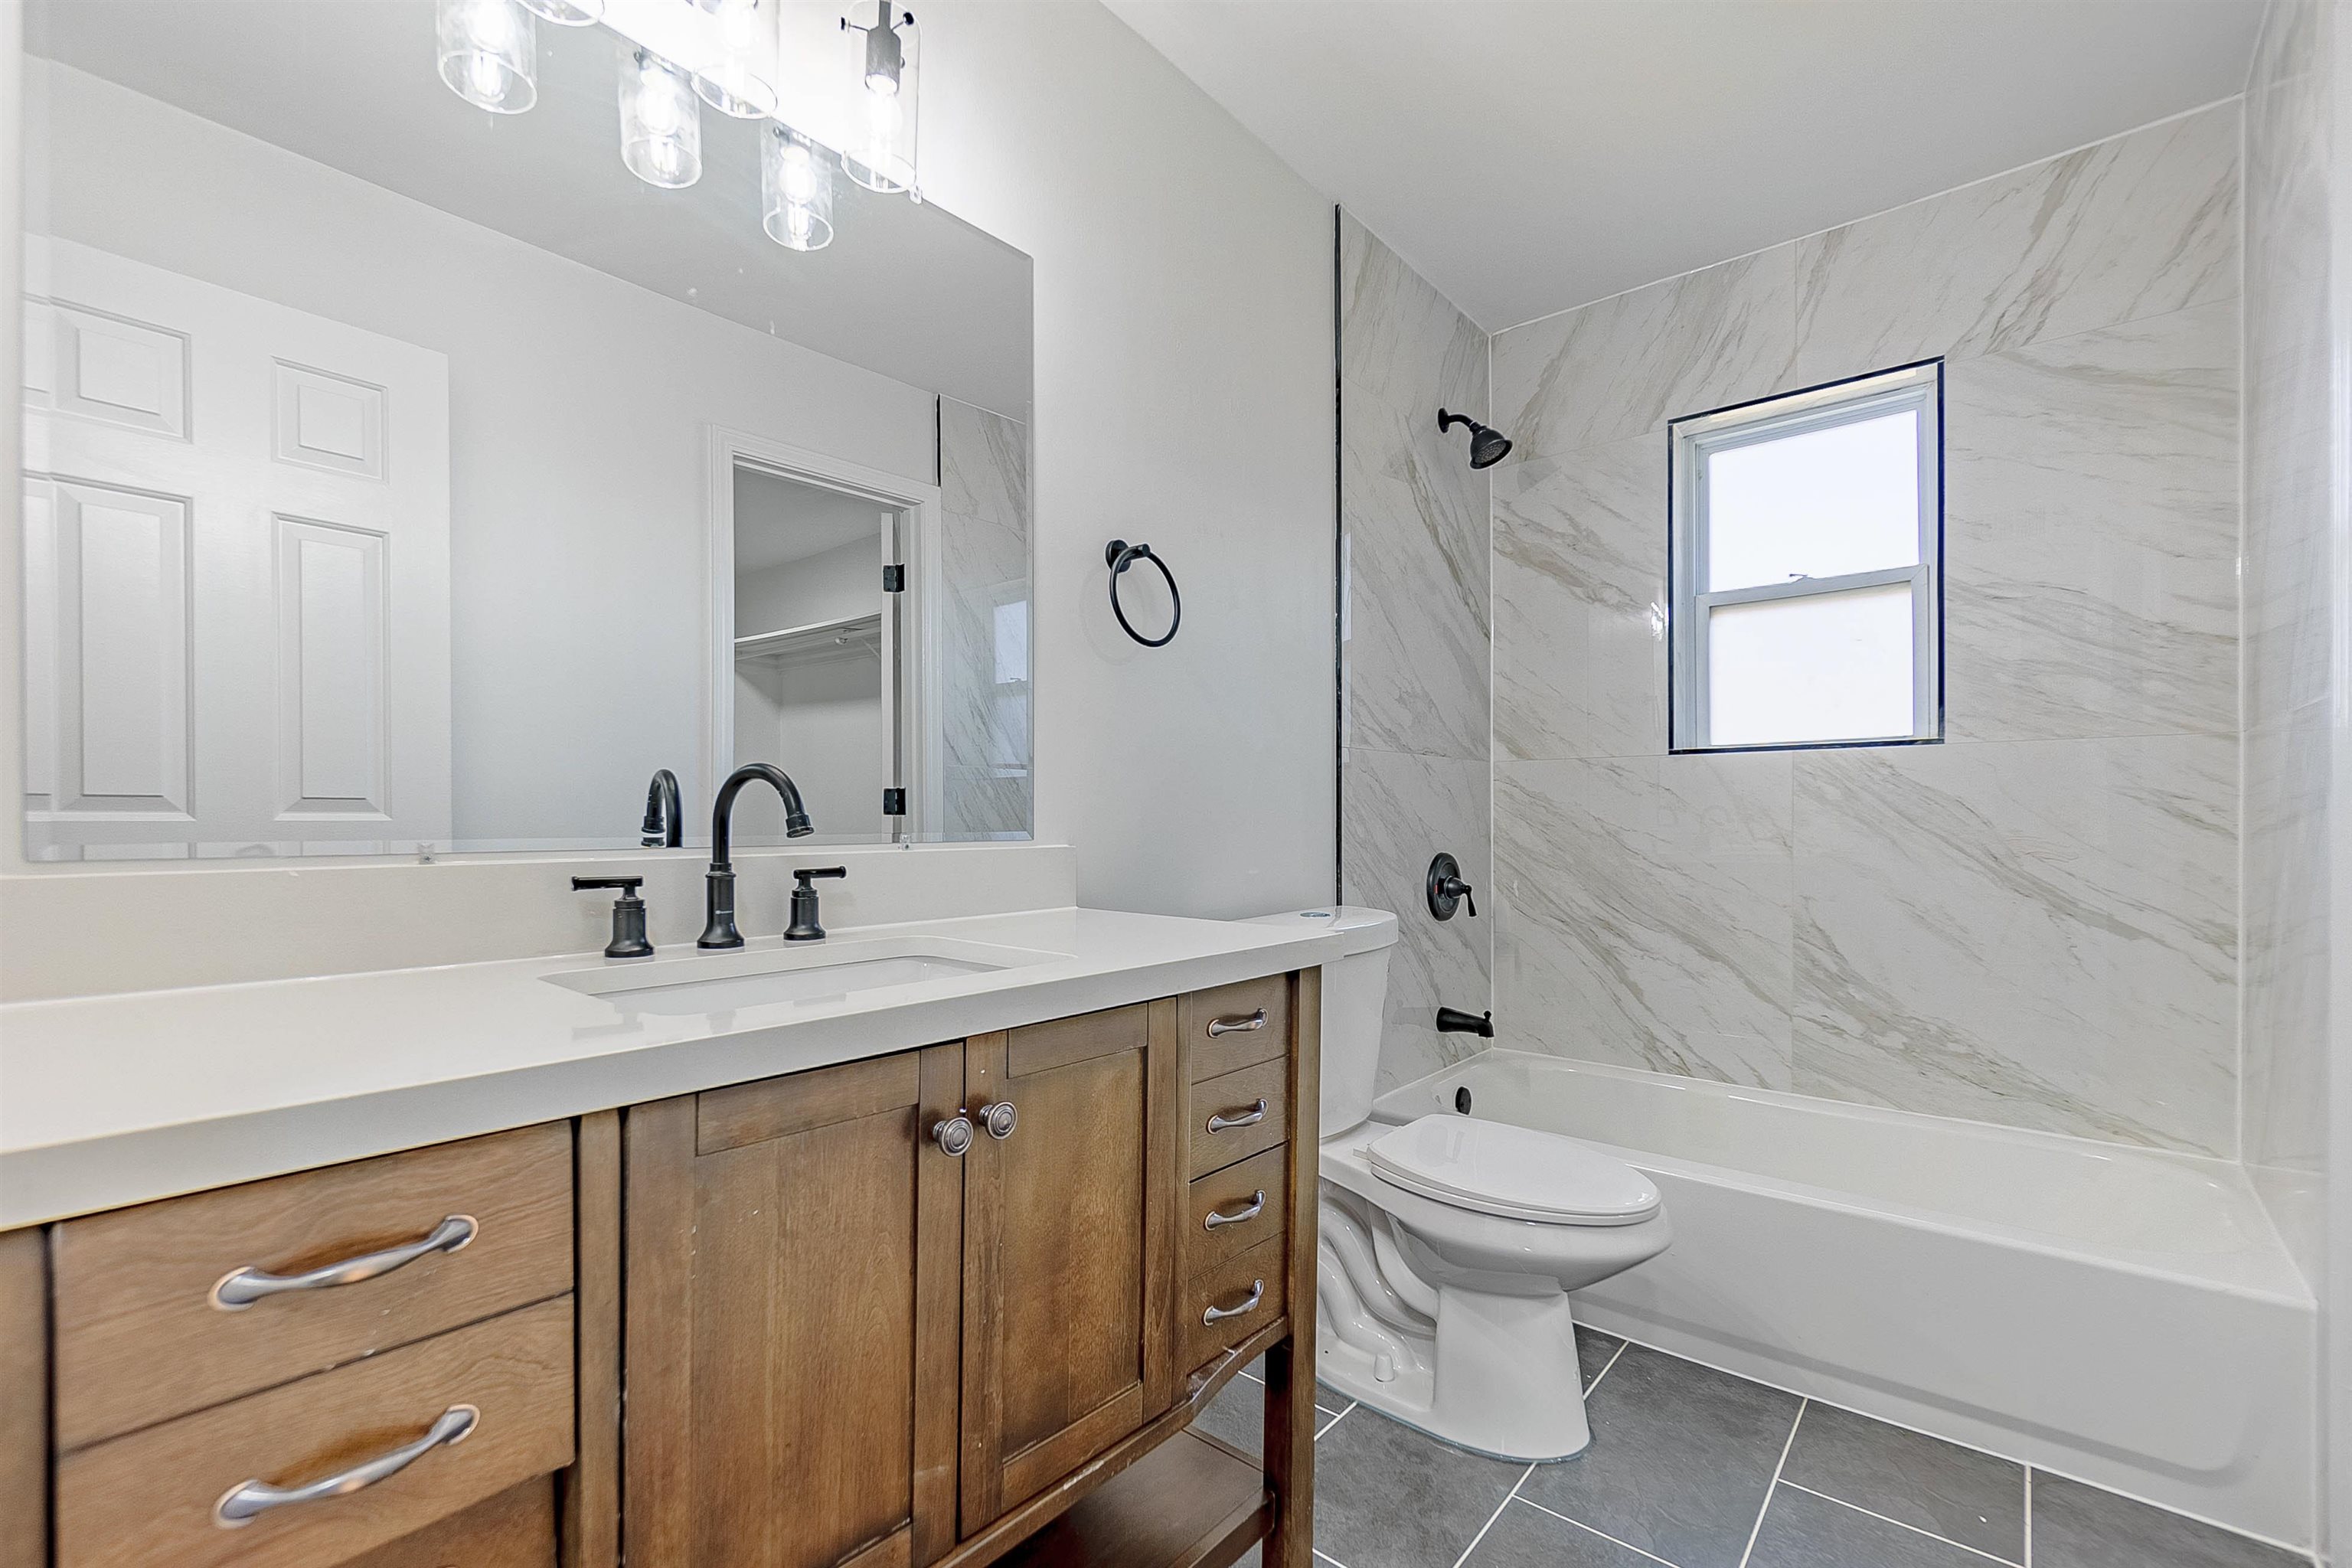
(1449, 1243)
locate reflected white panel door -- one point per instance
(236, 561)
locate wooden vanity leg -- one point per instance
(590, 1488)
(1290, 1366)
(24, 1398)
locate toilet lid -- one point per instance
(1515, 1171)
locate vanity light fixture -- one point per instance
(488, 52)
(739, 77)
(568, 12)
(881, 154)
(795, 190)
(661, 122)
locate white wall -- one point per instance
(1183, 278)
(844, 581)
(1184, 397)
(578, 519)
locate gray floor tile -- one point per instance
(1945, 1489)
(1237, 1415)
(2075, 1526)
(1525, 1536)
(1593, 1350)
(1801, 1531)
(1388, 1497)
(1682, 1456)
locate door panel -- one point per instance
(236, 568)
(793, 1252)
(1067, 1248)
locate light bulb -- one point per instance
(795, 191)
(488, 52)
(661, 122)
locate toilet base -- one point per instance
(1498, 1377)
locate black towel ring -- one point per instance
(1119, 554)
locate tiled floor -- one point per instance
(1693, 1467)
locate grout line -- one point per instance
(1757, 1528)
(1336, 1420)
(1898, 1524)
(1589, 1531)
(1605, 1366)
(1494, 1516)
(1325, 1557)
(1253, 1377)
(2029, 1516)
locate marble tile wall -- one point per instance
(2291, 412)
(985, 543)
(2033, 923)
(1414, 703)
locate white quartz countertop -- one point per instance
(108, 1100)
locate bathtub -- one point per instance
(2120, 1315)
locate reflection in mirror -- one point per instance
(403, 476)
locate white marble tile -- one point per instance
(1398, 810)
(1401, 341)
(2037, 933)
(1580, 603)
(2137, 226)
(1416, 527)
(1628, 364)
(984, 549)
(2090, 533)
(1646, 912)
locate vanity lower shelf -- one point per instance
(1192, 1502)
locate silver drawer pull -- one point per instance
(1255, 1207)
(248, 1500)
(241, 1288)
(1250, 1118)
(1219, 1314)
(1237, 1025)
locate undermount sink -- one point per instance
(763, 977)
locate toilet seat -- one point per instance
(1514, 1172)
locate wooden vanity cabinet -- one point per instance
(792, 1254)
(947, 1308)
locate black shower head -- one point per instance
(1488, 446)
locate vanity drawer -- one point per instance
(150, 1499)
(1213, 1230)
(1239, 1114)
(139, 1338)
(1235, 1026)
(1253, 1280)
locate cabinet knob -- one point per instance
(952, 1134)
(999, 1119)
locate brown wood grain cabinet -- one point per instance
(943, 1307)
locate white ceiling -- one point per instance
(1531, 156)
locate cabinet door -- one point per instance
(1068, 1244)
(791, 1341)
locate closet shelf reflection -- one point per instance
(817, 636)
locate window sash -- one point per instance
(1696, 439)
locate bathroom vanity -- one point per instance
(947, 1301)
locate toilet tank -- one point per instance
(1355, 990)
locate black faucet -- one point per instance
(665, 825)
(719, 917)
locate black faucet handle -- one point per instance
(806, 926)
(628, 915)
(820, 871)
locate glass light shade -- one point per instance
(795, 190)
(880, 154)
(488, 52)
(568, 12)
(738, 75)
(661, 122)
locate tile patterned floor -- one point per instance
(1690, 1467)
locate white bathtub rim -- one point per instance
(2287, 1288)
(1584, 1315)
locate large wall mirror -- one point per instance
(407, 475)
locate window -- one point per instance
(1807, 537)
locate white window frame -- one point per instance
(1698, 436)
